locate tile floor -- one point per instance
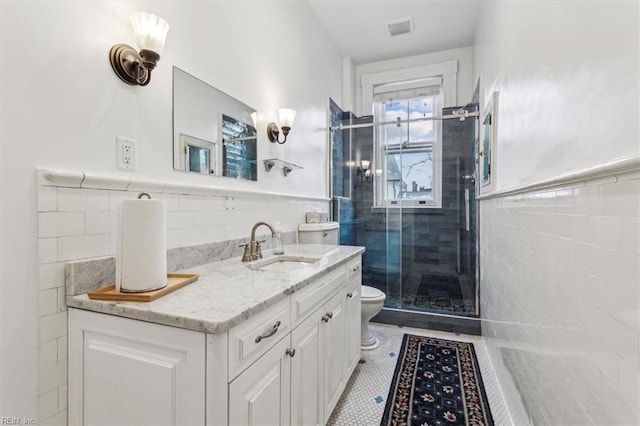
(364, 398)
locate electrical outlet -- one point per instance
(125, 154)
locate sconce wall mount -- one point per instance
(286, 122)
(131, 66)
(364, 170)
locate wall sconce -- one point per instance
(364, 170)
(135, 68)
(286, 122)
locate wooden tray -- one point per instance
(174, 282)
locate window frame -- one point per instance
(381, 153)
(447, 71)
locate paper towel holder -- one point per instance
(141, 242)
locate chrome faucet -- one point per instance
(252, 250)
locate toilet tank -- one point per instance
(319, 233)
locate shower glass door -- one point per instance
(412, 202)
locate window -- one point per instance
(408, 153)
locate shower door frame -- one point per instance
(422, 319)
(453, 322)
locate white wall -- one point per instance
(560, 267)
(62, 107)
(567, 73)
(464, 83)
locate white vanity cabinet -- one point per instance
(261, 394)
(335, 376)
(307, 367)
(123, 371)
(319, 370)
(352, 314)
(286, 365)
(260, 368)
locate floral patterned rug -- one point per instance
(436, 382)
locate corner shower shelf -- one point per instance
(287, 167)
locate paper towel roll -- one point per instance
(141, 246)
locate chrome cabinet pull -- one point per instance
(356, 268)
(330, 315)
(269, 333)
(291, 352)
(326, 318)
(349, 295)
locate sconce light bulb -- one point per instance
(150, 31)
(287, 116)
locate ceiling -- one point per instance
(358, 29)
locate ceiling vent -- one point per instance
(400, 26)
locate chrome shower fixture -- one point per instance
(460, 112)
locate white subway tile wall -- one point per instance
(560, 298)
(77, 223)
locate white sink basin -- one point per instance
(283, 263)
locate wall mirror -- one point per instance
(213, 133)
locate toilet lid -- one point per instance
(370, 292)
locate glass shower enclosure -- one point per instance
(404, 187)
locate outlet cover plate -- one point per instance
(125, 154)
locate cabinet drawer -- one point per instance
(354, 268)
(255, 336)
(353, 287)
(316, 293)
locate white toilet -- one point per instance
(371, 299)
(319, 233)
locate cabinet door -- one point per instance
(123, 371)
(353, 331)
(307, 372)
(261, 394)
(333, 334)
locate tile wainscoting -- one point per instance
(560, 296)
(76, 218)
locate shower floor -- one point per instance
(438, 293)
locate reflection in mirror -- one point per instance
(213, 133)
(200, 154)
(239, 149)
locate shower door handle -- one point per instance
(467, 213)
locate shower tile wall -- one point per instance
(341, 175)
(79, 223)
(561, 300)
(433, 240)
(344, 212)
(341, 153)
(369, 227)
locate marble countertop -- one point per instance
(227, 292)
